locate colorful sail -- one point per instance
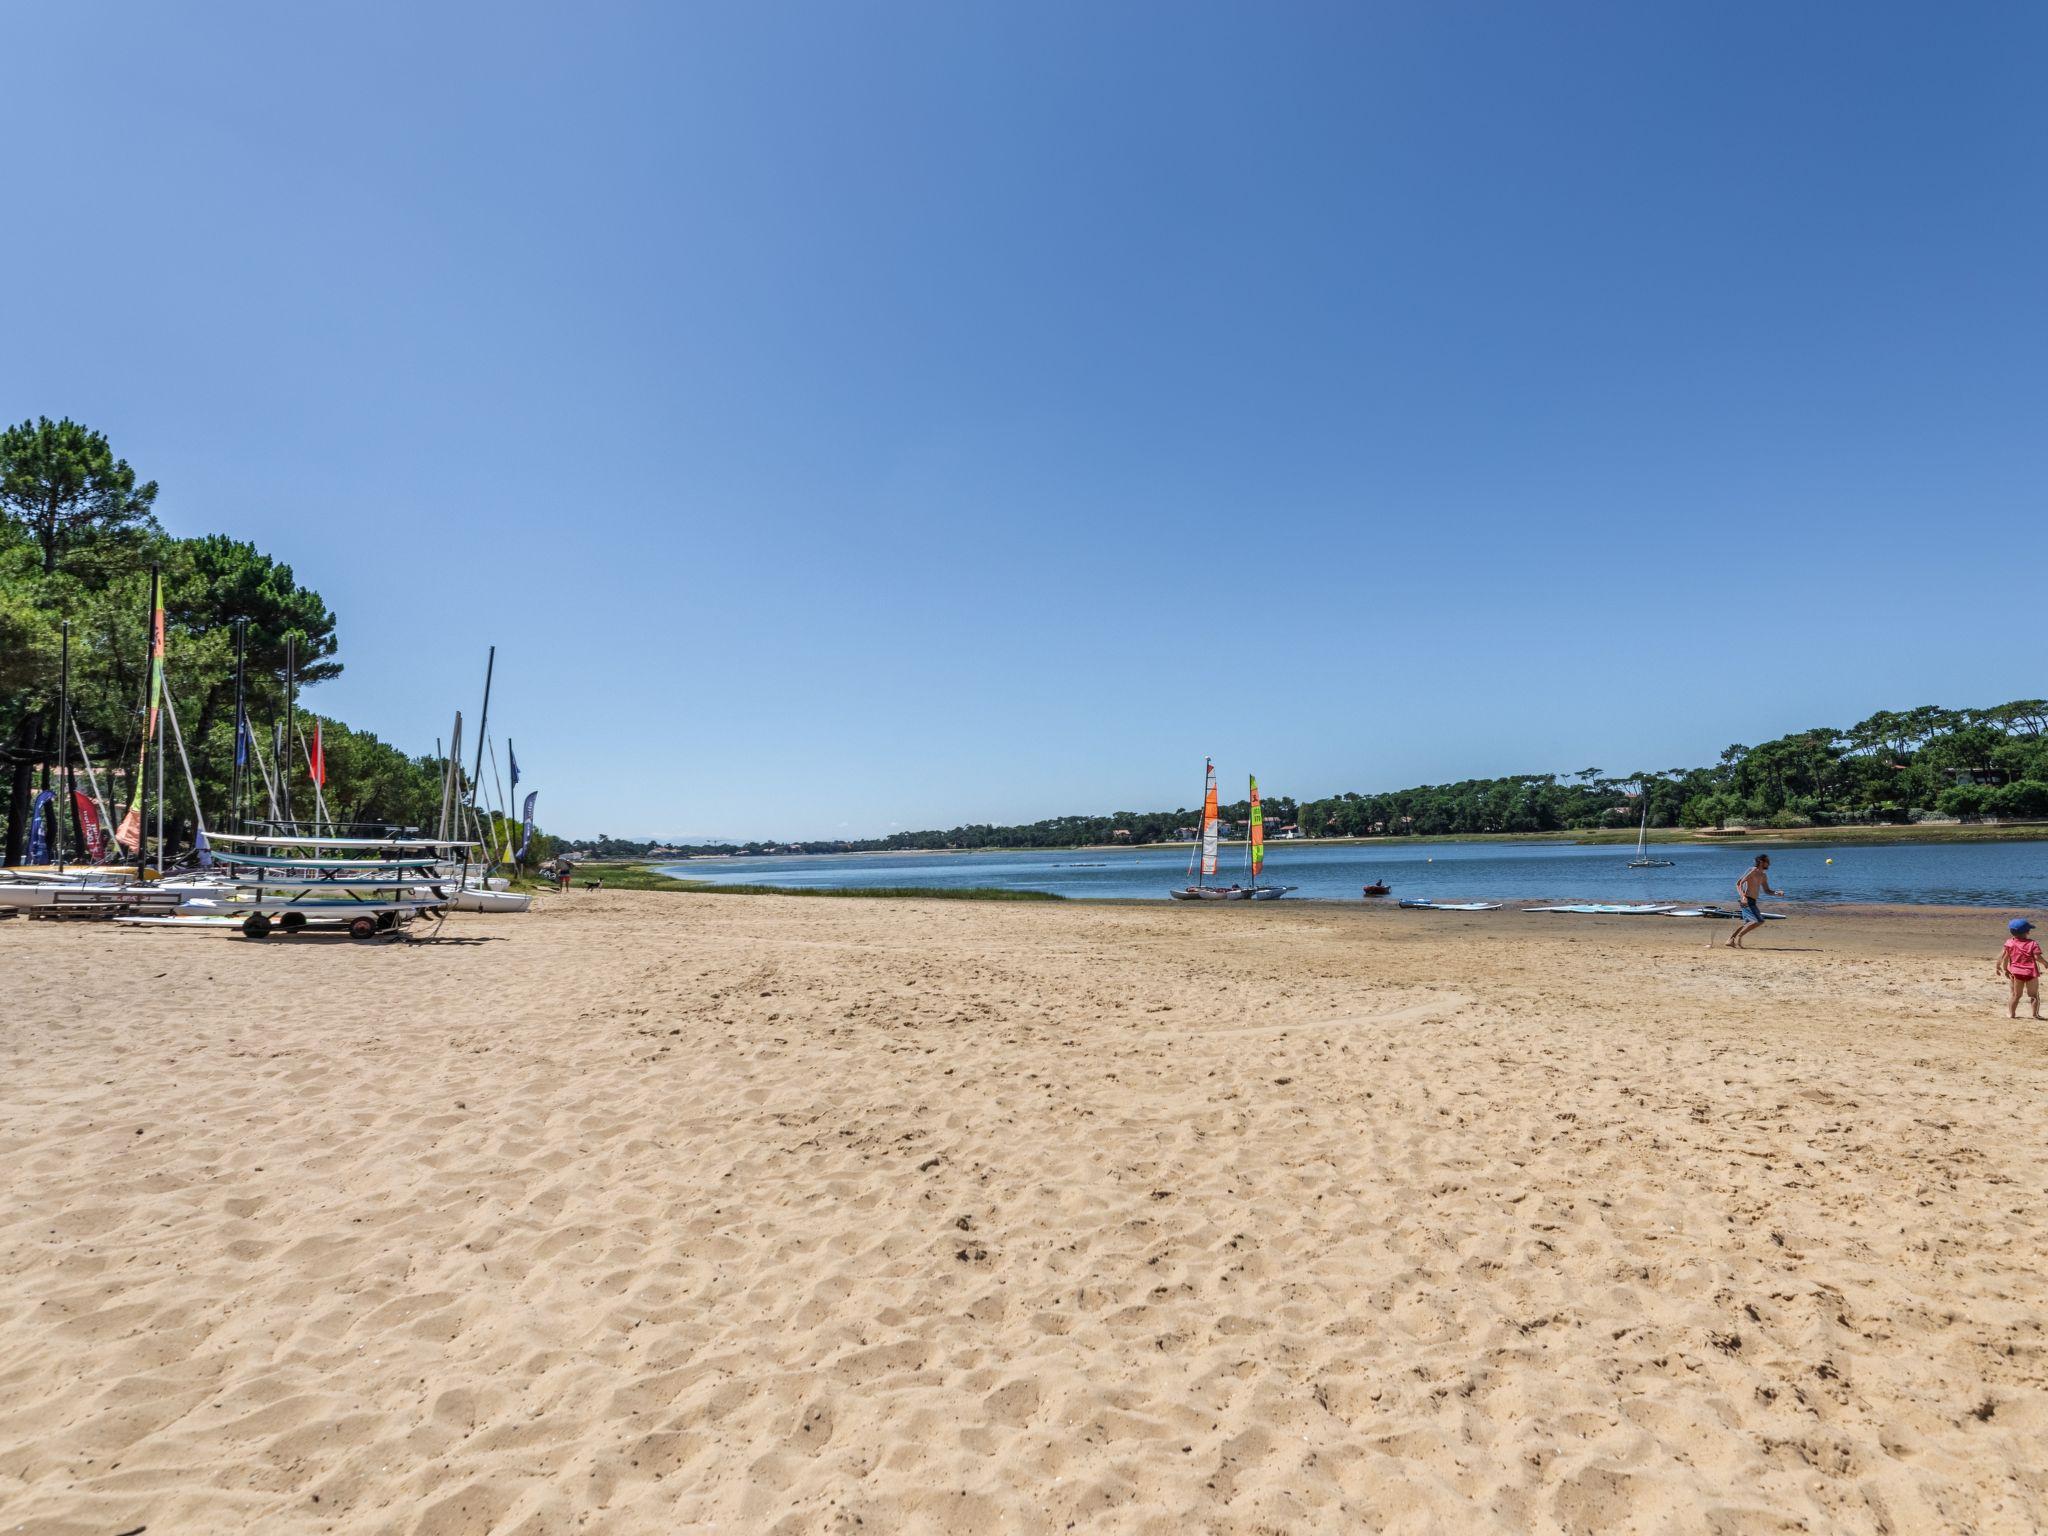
(39, 827)
(1209, 820)
(89, 824)
(1258, 834)
(129, 836)
(319, 761)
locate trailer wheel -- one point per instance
(292, 922)
(363, 928)
(256, 926)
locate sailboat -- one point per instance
(1205, 849)
(1205, 852)
(1255, 853)
(1642, 860)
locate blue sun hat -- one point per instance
(2019, 925)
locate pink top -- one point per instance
(2022, 957)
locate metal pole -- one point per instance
(284, 751)
(142, 786)
(238, 773)
(64, 811)
(162, 861)
(483, 725)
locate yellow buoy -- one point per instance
(1831, 861)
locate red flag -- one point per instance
(319, 756)
(89, 822)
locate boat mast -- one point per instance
(483, 724)
(142, 778)
(284, 746)
(64, 777)
(238, 773)
(1254, 834)
(162, 861)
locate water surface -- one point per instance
(1951, 874)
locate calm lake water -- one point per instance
(1949, 874)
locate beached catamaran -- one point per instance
(1205, 852)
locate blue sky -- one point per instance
(897, 415)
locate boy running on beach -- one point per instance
(2020, 960)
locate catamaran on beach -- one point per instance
(271, 872)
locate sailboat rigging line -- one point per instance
(319, 800)
(504, 810)
(191, 788)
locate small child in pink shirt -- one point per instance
(2020, 961)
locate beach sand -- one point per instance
(670, 1213)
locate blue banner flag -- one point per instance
(242, 742)
(525, 842)
(512, 758)
(39, 828)
(200, 847)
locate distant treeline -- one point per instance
(78, 534)
(1896, 765)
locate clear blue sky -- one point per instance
(901, 415)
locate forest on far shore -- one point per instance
(1889, 769)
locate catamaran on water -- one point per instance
(1642, 860)
(1205, 851)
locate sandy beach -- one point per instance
(670, 1213)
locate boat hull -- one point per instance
(472, 900)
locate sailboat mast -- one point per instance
(238, 774)
(141, 778)
(64, 781)
(284, 745)
(483, 725)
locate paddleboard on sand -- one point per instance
(1606, 909)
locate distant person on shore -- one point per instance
(1749, 890)
(2020, 963)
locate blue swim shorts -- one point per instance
(1750, 912)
